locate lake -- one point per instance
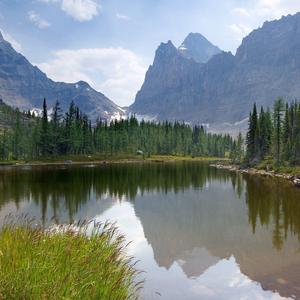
(198, 232)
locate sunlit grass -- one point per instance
(65, 264)
(167, 158)
(118, 158)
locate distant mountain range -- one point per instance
(24, 85)
(199, 84)
(196, 82)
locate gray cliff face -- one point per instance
(197, 47)
(24, 85)
(266, 66)
(170, 86)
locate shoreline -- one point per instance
(108, 161)
(294, 179)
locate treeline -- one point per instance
(274, 134)
(72, 133)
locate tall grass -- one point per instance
(65, 263)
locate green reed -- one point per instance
(65, 263)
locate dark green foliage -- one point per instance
(276, 135)
(44, 134)
(237, 149)
(253, 136)
(277, 116)
(73, 134)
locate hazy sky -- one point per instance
(110, 43)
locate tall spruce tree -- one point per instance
(252, 136)
(55, 132)
(44, 134)
(277, 119)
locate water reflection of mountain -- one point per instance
(179, 226)
(71, 188)
(191, 214)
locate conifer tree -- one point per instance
(44, 135)
(252, 135)
(277, 119)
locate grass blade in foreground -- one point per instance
(65, 264)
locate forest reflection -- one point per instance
(270, 202)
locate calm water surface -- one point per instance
(199, 232)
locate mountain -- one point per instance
(197, 47)
(223, 90)
(170, 87)
(24, 86)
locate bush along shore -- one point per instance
(65, 262)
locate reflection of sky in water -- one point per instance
(223, 280)
(199, 233)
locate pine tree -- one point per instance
(56, 134)
(277, 119)
(44, 135)
(239, 146)
(265, 133)
(252, 136)
(286, 134)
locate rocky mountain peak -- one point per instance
(223, 90)
(197, 47)
(165, 55)
(166, 48)
(24, 85)
(82, 84)
(1, 36)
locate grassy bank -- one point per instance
(101, 159)
(65, 264)
(168, 158)
(270, 164)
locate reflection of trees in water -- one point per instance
(276, 203)
(73, 187)
(269, 201)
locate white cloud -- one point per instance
(241, 12)
(116, 72)
(253, 16)
(276, 8)
(48, 1)
(81, 10)
(240, 30)
(16, 45)
(38, 20)
(122, 17)
(270, 9)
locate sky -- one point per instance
(111, 43)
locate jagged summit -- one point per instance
(166, 48)
(197, 47)
(164, 53)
